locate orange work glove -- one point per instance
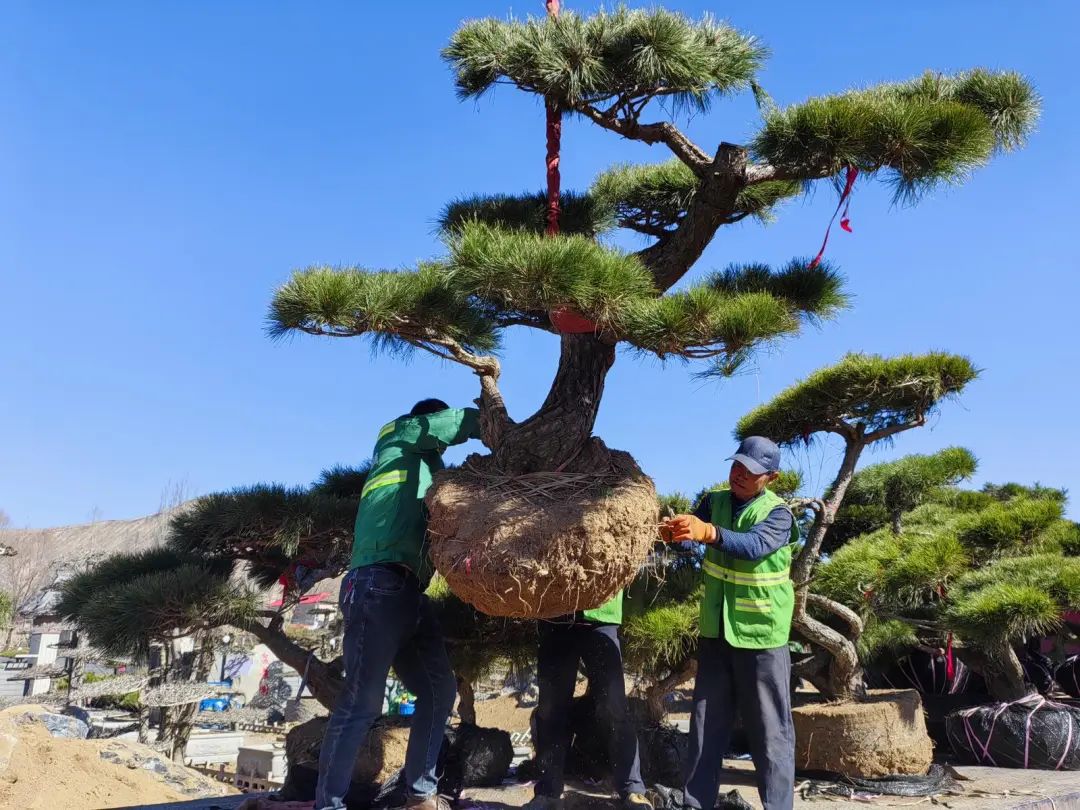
(687, 527)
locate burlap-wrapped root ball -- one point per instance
(543, 544)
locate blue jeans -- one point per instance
(388, 622)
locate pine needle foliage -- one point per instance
(580, 214)
(661, 637)
(342, 482)
(894, 487)
(816, 293)
(1004, 611)
(1007, 100)
(1049, 573)
(130, 600)
(653, 197)
(1011, 527)
(919, 134)
(886, 641)
(787, 484)
(923, 569)
(882, 571)
(853, 520)
(251, 522)
(647, 195)
(701, 318)
(1061, 537)
(1006, 492)
(678, 503)
(408, 307)
(761, 199)
(77, 591)
(854, 572)
(870, 392)
(522, 272)
(635, 55)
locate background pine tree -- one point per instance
(992, 569)
(863, 399)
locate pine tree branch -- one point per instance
(656, 231)
(483, 365)
(844, 680)
(534, 321)
(494, 419)
(891, 430)
(849, 616)
(764, 173)
(724, 177)
(324, 679)
(662, 132)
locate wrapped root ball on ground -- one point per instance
(542, 544)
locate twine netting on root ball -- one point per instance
(543, 544)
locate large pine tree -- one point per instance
(618, 70)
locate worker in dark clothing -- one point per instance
(388, 619)
(743, 659)
(591, 638)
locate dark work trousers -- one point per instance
(562, 647)
(388, 621)
(757, 684)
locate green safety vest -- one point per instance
(751, 599)
(609, 613)
(391, 523)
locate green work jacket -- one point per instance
(752, 600)
(608, 613)
(391, 523)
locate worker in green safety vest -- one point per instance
(743, 660)
(589, 637)
(388, 619)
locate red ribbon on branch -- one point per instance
(950, 663)
(845, 221)
(554, 145)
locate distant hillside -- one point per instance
(84, 540)
(44, 556)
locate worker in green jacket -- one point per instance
(388, 619)
(743, 660)
(589, 637)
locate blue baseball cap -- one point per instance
(758, 454)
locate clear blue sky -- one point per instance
(164, 165)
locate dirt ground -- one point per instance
(983, 789)
(42, 772)
(503, 712)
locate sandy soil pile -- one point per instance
(42, 772)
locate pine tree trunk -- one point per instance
(144, 724)
(185, 715)
(557, 433)
(1000, 668)
(466, 707)
(845, 678)
(324, 679)
(657, 693)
